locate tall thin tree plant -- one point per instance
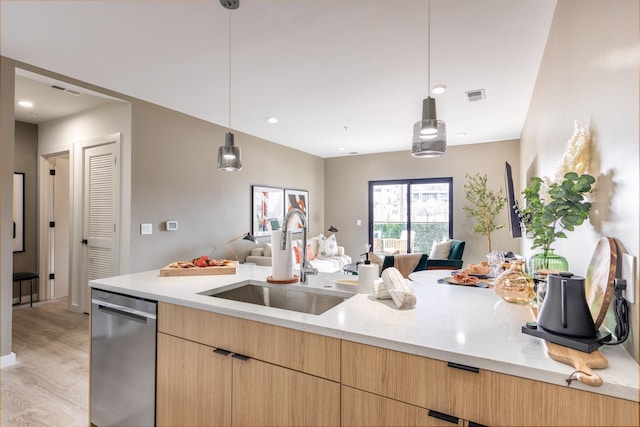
(483, 205)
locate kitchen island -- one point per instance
(459, 355)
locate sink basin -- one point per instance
(286, 297)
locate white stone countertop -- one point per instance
(461, 324)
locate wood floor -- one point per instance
(49, 386)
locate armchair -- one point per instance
(452, 262)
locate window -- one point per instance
(406, 216)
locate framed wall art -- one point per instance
(18, 212)
(268, 209)
(297, 199)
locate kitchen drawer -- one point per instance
(302, 351)
(417, 380)
(517, 401)
(360, 408)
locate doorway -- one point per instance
(55, 202)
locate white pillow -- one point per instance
(267, 249)
(327, 246)
(440, 250)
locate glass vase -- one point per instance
(547, 262)
(514, 285)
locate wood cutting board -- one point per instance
(581, 361)
(197, 271)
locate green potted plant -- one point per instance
(484, 205)
(549, 218)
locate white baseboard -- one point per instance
(7, 360)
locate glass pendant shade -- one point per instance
(429, 134)
(229, 155)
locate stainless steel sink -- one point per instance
(287, 297)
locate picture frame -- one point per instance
(267, 210)
(297, 199)
(18, 212)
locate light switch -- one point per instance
(171, 225)
(146, 229)
(358, 222)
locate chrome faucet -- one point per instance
(305, 267)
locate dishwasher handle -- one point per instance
(125, 312)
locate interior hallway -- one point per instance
(49, 386)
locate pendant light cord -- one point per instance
(229, 66)
(429, 50)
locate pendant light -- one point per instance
(429, 134)
(229, 156)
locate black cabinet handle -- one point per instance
(221, 352)
(84, 241)
(463, 367)
(240, 357)
(444, 417)
(472, 424)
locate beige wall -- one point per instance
(346, 191)
(174, 177)
(589, 73)
(25, 160)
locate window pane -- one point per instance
(389, 218)
(429, 214)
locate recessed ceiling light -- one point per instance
(25, 104)
(439, 89)
(461, 135)
(340, 148)
(272, 120)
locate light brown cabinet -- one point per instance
(270, 395)
(193, 384)
(360, 408)
(200, 382)
(221, 370)
(481, 396)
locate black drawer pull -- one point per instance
(240, 357)
(445, 417)
(463, 367)
(221, 352)
(472, 424)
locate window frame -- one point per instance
(409, 183)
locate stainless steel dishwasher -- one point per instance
(123, 360)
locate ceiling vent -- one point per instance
(65, 90)
(475, 95)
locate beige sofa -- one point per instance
(327, 262)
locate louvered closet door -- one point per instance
(101, 184)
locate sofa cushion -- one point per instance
(440, 250)
(297, 250)
(257, 252)
(327, 246)
(267, 249)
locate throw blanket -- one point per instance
(406, 263)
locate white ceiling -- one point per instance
(347, 74)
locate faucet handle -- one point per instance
(309, 269)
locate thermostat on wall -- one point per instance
(172, 225)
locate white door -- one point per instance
(61, 229)
(101, 222)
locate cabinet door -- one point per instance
(193, 384)
(269, 395)
(420, 381)
(360, 408)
